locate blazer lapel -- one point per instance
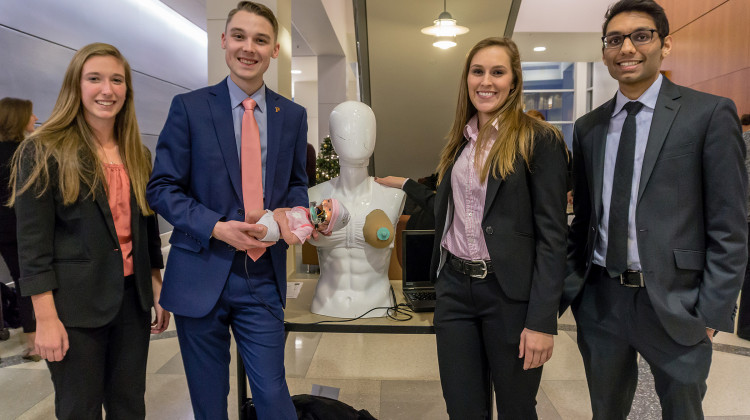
(221, 114)
(599, 141)
(103, 204)
(664, 113)
(493, 185)
(275, 120)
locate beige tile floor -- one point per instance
(392, 376)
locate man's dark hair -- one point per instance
(650, 7)
(745, 119)
(257, 9)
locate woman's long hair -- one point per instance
(67, 142)
(516, 130)
(14, 117)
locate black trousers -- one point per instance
(478, 330)
(9, 251)
(614, 323)
(105, 366)
(743, 316)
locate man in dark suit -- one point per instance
(197, 185)
(657, 248)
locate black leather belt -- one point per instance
(472, 268)
(631, 278)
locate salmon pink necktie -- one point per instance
(252, 174)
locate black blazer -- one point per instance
(74, 252)
(690, 214)
(524, 225)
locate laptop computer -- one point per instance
(416, 253)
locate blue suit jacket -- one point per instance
(196, 182)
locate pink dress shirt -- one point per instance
(118, 195)
(464, 237)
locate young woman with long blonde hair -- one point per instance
(88, 242)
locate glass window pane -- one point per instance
(547, 75)
(555, 106)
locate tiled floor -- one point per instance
(393, 377)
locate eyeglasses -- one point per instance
(641, 37)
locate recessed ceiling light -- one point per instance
(540, 49)
(296, 71)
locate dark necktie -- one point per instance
(619, 205)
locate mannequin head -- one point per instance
(352, 126)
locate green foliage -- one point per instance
(327, 163)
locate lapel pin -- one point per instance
(277, 109)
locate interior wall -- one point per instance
(710, 51)
(413, 84)
(39, 37)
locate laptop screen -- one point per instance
(416, 253)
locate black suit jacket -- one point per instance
(524, 225)
(74, 252)
(690, 214)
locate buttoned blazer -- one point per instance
(73, 251)
(524, 226)
(690, 211)
(196, 182)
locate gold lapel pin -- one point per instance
(277, 109)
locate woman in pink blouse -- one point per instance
(89, 247)
(499, 255)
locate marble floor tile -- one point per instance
(161, 352)
(167, 397)
(569, 398)
(43, 410)
(566, 362)
(375, 356)
(299, 352)
(22, 389)
(545, 410)
(728, 385)
(408, 400)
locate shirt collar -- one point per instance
(471, 129)
(648, 98)
(237, 95)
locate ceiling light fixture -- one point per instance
(296, 71)
(540, 49)
(445, 29)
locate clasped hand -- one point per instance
(243, 235)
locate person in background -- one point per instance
(90, 254)
(658, 244)
(743, 316)
(17, 121)
(499, 255)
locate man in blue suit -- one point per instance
(210, 283)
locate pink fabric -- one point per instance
(464, 237)
(298, 219)
(252, 172)
(118, 196)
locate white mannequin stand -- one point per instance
(353, 273)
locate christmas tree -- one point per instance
(327, 163)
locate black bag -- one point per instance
(312, 407)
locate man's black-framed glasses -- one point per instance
(639, 37)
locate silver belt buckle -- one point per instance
(484, 270)
(640, 278)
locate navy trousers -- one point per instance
(250, 304)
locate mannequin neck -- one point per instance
(353, 179)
